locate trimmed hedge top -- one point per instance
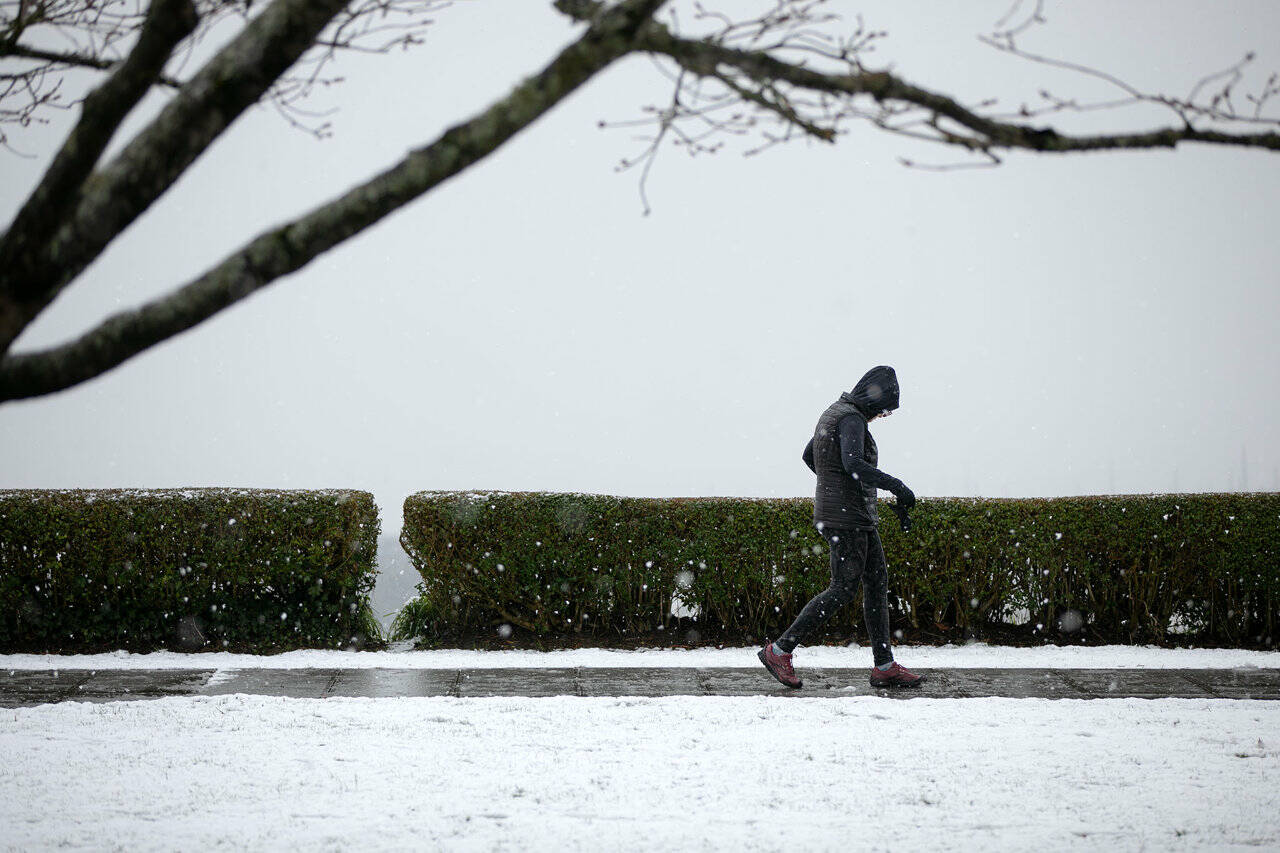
(250, 569)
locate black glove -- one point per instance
(906, 497)
(906, 500)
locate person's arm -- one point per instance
(851, 429)
(808, 456)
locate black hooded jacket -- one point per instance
(843, 454)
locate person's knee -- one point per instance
(876, 579)
(843, 592)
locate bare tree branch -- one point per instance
(1009, 32)
(1219, 107)
(69, 58)
(707, 59)
(41, 40)
(779, 75)
(288, 248)
(94, 30)
(364, 26)
(114, 197)
(783, 67)
(168, 22)
(81, 60)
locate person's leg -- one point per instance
(848, 555)
(875, 610)
(875, 601)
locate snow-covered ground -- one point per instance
(968, 656)
(681, 773)
(688, 773)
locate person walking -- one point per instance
(843, 455)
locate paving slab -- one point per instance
(832, 683)
(843, 683)
(1011, 683)
(1150, 684)
(295, 683)
(20, 687)
(648, 681)
(385, 683)
(824, 683)
(108, 685)
(474, 683)
(36, 687)
(1244, 683)
(743, 682)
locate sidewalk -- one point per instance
(20, 688)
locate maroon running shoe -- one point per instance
(780, 666)
(896, 676)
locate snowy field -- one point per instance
(689, 773)
(682, 773)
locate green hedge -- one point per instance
(189, 569)
(1130, 569)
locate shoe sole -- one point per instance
(899, 685)
(765, 661)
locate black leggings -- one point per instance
(856, 555)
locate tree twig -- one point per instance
(78, 60)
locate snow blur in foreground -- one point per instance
(567, 773)
(970, 655)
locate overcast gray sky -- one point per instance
(1061, 325)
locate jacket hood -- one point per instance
(876, 391)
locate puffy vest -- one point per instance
(840, 500)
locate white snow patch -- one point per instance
(973, 655)
(688, 773)
(222, 676)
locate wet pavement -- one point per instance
(20, 688)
